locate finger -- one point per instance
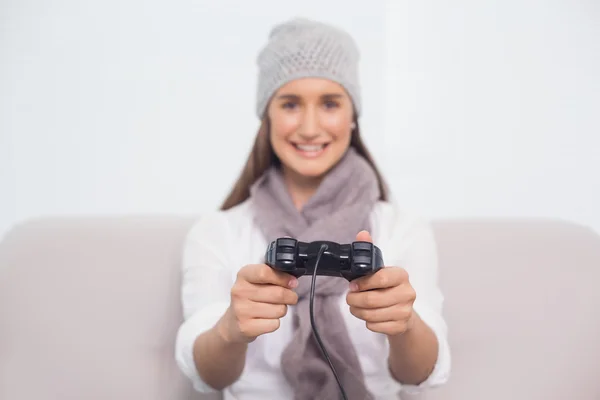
(397, 312)
(364, 236)
(252, 328)
(381, 298)
(384, 278)
(251, 309)
(272, 294)
(388, 327)
(263, 274)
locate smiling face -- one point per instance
(311, 126)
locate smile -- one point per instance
(310, 150)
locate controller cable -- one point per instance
(313, 325)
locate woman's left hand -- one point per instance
(384, 300)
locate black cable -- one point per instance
(313, 325)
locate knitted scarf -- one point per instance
(338, 210)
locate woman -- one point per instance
(309, 176)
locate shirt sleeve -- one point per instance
(418, 255)
(205, 288)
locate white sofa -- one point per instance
(89, 309)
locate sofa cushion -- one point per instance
(89, 309)
(523, 309)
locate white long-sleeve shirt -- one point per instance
(222, 242)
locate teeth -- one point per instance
(306, 147)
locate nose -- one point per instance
(308, 136)
(309, 126)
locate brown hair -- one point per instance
(262, 157)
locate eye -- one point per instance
(331, 104)
(289, 105)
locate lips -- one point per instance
(310, 147)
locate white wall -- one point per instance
(144, 107)
(492, 108)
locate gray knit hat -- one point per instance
(303, 48)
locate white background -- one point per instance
(472, 108)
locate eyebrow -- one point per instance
(296, 97)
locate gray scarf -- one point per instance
(339, 209)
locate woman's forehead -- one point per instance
(311, 87)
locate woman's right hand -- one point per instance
(259, 298)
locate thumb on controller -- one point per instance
(364, 236)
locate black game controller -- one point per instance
(349, 261)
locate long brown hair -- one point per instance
(262, 157)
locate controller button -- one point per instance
(285, 257)
(361, 246)
(286, 242)
(362, 260)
